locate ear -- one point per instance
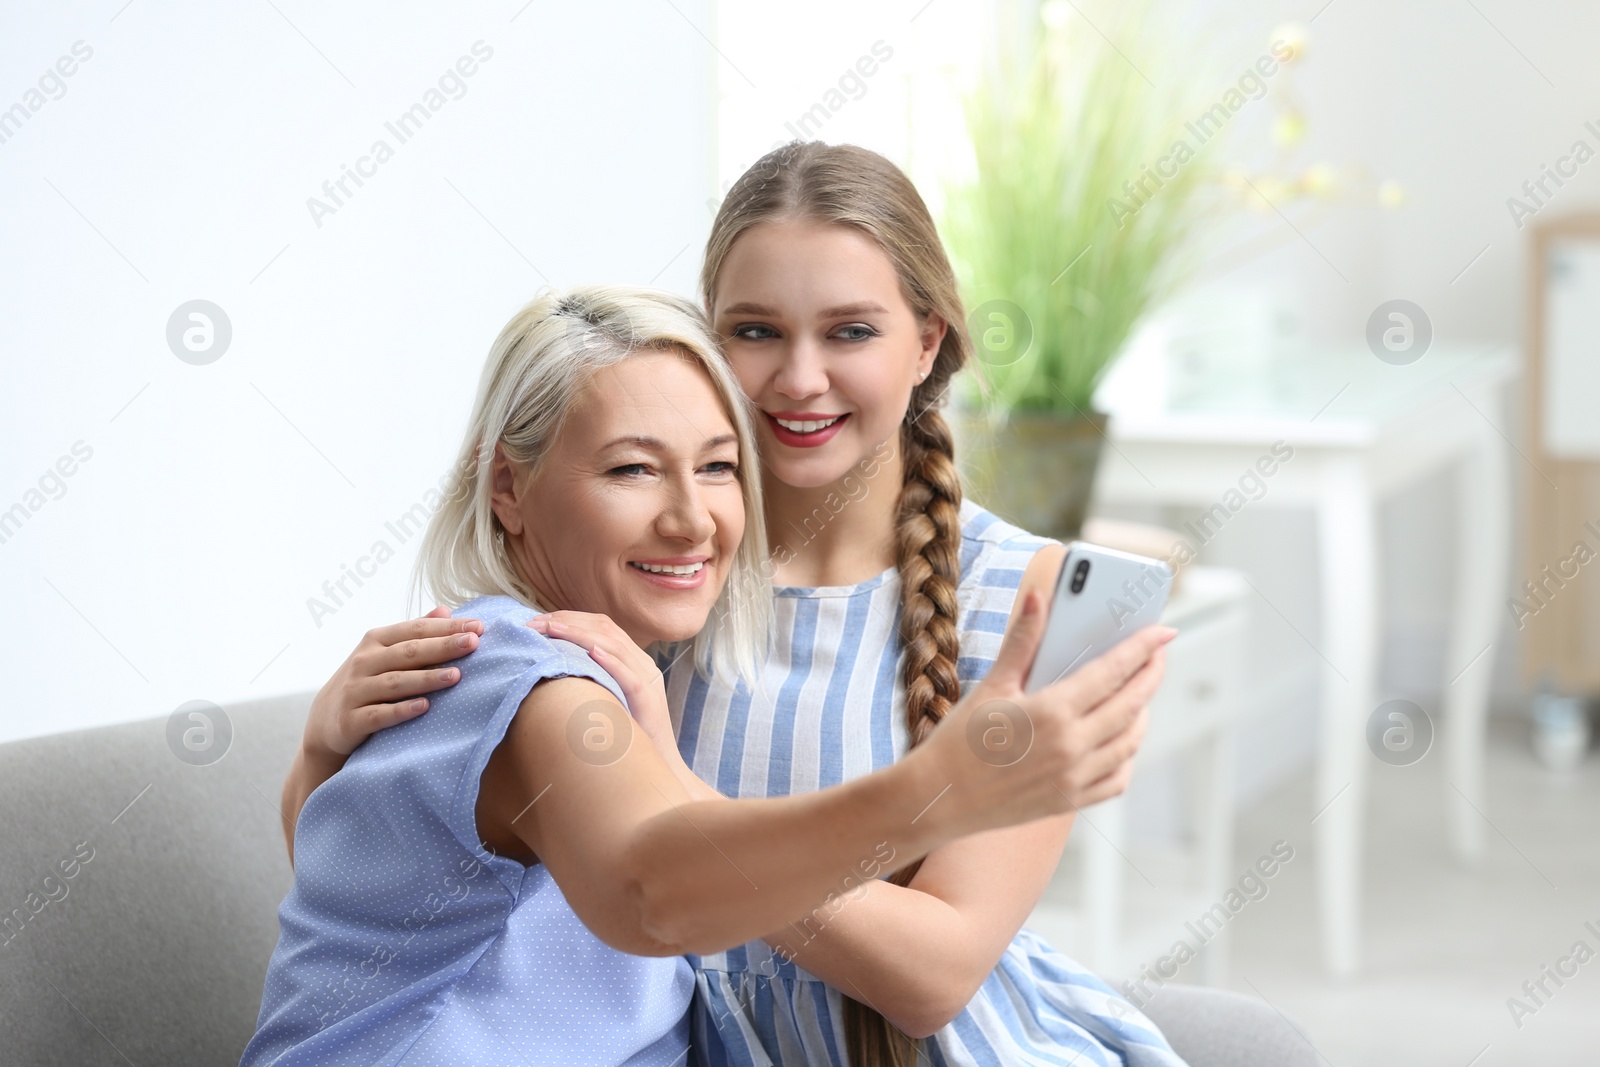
(504, 495)
(933, 331)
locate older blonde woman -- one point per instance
(516, 876)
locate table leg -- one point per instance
(1346, 543)
(1483, 544)
(1212, 767)
(1105, 843)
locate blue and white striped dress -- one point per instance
(831, 707)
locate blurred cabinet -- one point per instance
(1556, 598)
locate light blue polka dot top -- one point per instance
(404, 941)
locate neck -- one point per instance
(841, 533)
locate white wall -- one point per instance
(178, 562)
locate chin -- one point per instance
(677, 623)
(818, 467)
(810, 472)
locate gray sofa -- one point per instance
(140, 885)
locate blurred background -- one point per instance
(254, 255)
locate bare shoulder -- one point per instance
(560, 723)
(562, 720)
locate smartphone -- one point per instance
(1102, 596)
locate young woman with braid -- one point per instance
(825, 279)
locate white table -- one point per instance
(1360, 429)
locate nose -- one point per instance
(802, 374)
(684, 515)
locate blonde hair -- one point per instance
(538, 367)
(851, 186)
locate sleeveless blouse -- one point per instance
(828, 707)
(404, 941)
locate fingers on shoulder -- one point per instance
(588, 619)
(429, 625)
(371, 718)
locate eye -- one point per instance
(629, 470)
(856, 331)
(753, 331)
(722, 468)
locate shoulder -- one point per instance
(509, 650)
(999, 562)
(994, 553)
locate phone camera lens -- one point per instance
(1079, 574)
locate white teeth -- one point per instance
(809, 426)
(661, 568)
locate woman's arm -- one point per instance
(380, 684)
(919, 953)
(651, 871)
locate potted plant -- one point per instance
(1066, 235)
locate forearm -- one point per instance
(714, 873)
(907, 952)
(919, 953)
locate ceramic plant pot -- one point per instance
(1035, 470)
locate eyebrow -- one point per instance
(655, 444)
(866, 307)
(748, 308)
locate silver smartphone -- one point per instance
(1102, 597)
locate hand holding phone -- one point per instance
(1101, 597)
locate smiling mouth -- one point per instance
(669, 568)
(806, 425)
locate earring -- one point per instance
(922, 376)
